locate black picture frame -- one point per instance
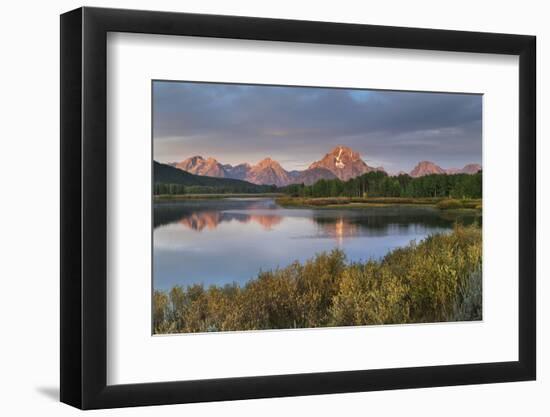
(84, 207)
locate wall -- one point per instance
(29, 222)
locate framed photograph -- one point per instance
(257, 208)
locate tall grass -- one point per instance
(435, 280)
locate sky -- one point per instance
(296, 126)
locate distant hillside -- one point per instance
(166, 174)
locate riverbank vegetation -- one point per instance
(366, 202)
(435, 280)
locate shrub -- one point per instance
(449, 203)
(469, 306)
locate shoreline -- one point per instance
(167, 197)
(443, 204)
(473, 205)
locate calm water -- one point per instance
(230, 240)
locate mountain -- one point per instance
(344, 163)
(238, 172)
(294, 174)
(426, 168)
(268, 171)
(200, 166)
(311, 176)
(166, 174)
(471, 169)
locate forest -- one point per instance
(379, 184)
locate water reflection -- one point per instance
(338, 223)
(226, 240)
(211, 219)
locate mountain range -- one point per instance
(341, 162)
(167, 174)
(428, 168)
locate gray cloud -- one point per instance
(297, 125)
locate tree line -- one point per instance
(372, 184)
(379, 184)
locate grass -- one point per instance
(332, 202)
(454, 204)
(435, 280)
(359, 202)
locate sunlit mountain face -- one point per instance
(341, 162)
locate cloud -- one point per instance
(236, 123)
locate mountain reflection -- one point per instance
(201, 215)
(339, 228)
(212, 219)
